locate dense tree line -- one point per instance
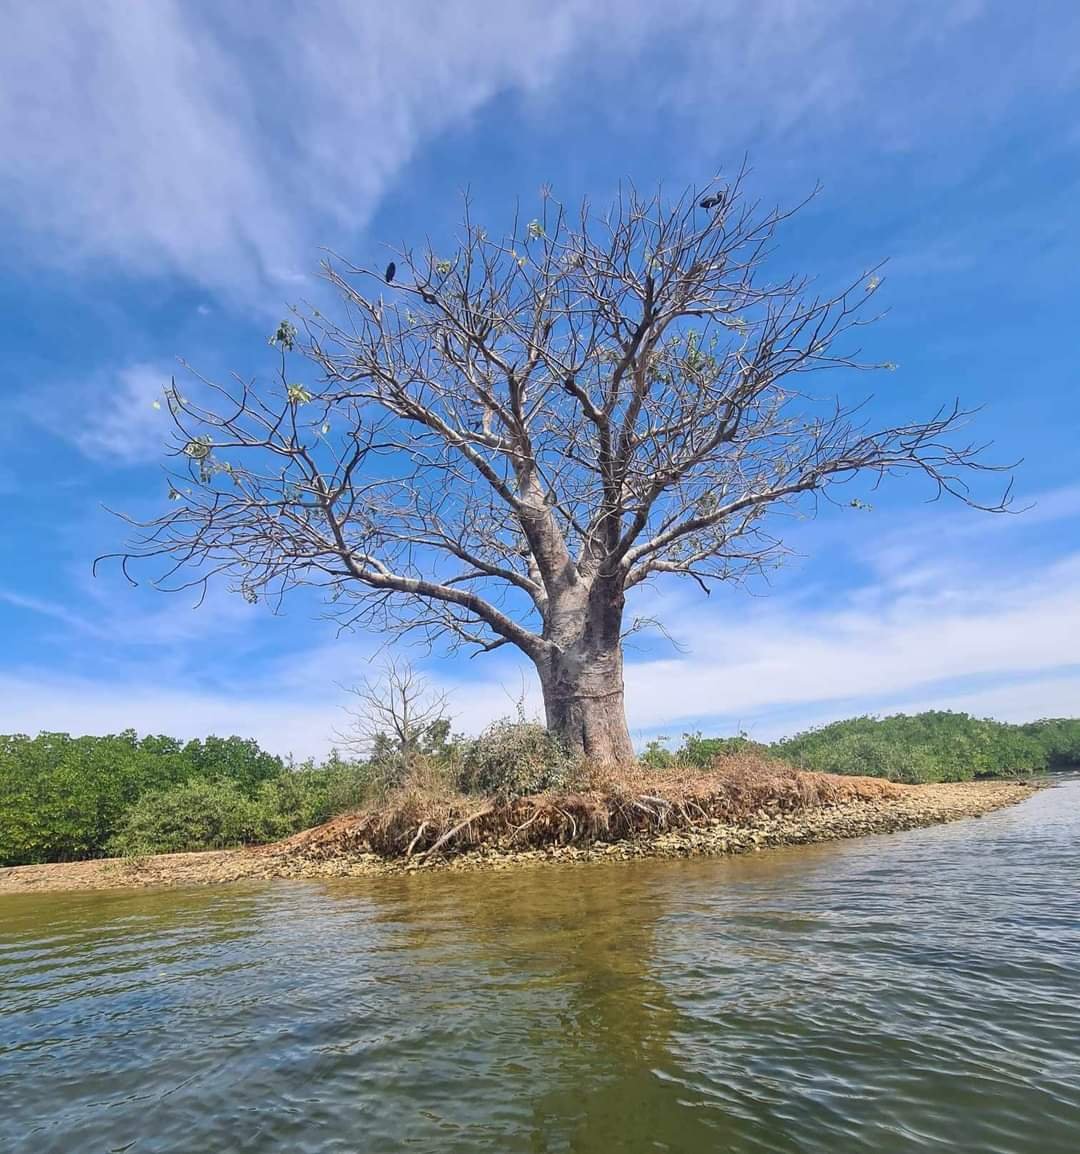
(934, 746)
(63, 798)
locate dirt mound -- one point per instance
(414, 824)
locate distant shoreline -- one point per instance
(913, 807)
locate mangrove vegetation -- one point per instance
(64, 798)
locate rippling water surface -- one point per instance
(905, 993)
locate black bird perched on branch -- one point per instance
(391, 268)
(711, 201)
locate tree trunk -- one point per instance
(583, 700)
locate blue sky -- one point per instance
(171, 171)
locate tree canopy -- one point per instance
(498, 445)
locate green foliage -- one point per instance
(62, 797)
(924, 747)
(193, 815)
(1059, 737)
(437, 743)
(703, 751)
(870, 754)
(697, 751)
(239, 759)
(932, 746)
(434, 745)
(656, 754)
(284, 336)
(513, 757)
(300, 798)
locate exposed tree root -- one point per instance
(418, 824)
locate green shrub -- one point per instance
(201, 813)
(237, 758)
(1058, 737)
(871, 755)
(194, 815)
(309, 795)
(348, 785)
(514, 757)
(932, 746)
(62, 797)
(432, 746)
(656, 755)
(703, 751)
(289, 802)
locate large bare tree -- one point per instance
(492, 445)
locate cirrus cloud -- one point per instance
(222, 144)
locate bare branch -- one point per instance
(396, 712)
(497, 446)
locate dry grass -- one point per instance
(423, 819)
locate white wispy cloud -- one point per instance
(215, 143)
(224, 145)
(96, 612)
(54, 611)
(123, 417)
(873, 647)
(113, 416)
(303, 725)
(975, 630)
(941, 602)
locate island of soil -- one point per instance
(711, 814)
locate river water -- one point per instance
(892, 994)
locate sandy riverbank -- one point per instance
(912, 807)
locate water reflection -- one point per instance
(579, 1014)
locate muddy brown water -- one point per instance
(917, 992)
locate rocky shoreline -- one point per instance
(914, 807)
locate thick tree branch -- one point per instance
(500, 443)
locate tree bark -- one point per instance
(582, 682)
